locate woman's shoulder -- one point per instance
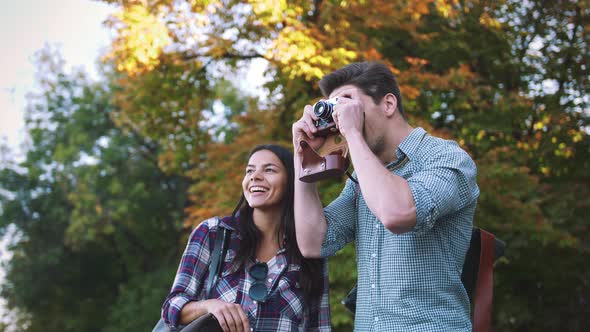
(213, 223)
(209, 227)
(205, 226)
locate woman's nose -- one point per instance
(255, 175)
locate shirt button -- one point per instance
(377, 225)
(255, 302)
(373, 255)
(376, 318)
(269, 280)
(373, 286)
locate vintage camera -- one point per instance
(323, 110)
(330, 160)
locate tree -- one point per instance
(506, 79)
(95, 216)
(470, 70)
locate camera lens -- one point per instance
(323, 110)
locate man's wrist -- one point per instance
(354, 135)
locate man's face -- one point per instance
(374, 118)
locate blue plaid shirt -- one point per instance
(284, 310)
(412, 281)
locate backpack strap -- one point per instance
(484, 289)
(217, 257)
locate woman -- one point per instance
(266, 284)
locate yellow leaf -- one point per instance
(141, 39)
(480, 135)
(486, 20)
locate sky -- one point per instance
(74, 26)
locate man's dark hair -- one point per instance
(374, 78)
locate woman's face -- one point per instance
(265, 180)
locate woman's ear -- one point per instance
(390, 103)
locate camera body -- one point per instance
(330, 160)
(323, 109)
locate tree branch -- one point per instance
(227, 55)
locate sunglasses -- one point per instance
(258, 291)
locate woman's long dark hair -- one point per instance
(310, 276)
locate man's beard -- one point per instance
(377, 146)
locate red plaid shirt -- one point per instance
(284, 310)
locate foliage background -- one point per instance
(119, 169)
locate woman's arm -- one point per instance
(190, 275)
(230, 316)
(181, 306)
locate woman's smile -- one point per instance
(265, 180)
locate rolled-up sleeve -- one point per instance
(341, 218)
(190, 275)
(445, 185)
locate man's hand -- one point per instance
(230, 316)
(349, 116)
(310, 223)
(304, 130)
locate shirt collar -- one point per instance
(232, 224)
(228, 222)
(409, 145)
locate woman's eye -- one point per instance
(249, 171)
(270, 170)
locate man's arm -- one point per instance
(337, 221)
(387, 195)
(446, 184)
(310, 223)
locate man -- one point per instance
(411, 213)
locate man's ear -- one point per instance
(390, 103)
